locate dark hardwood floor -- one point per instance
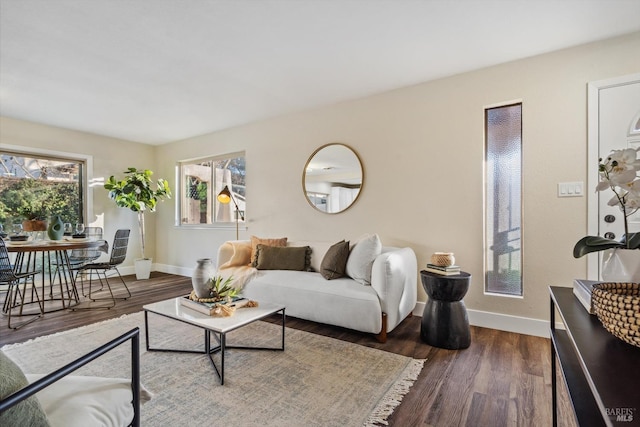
(502, 379)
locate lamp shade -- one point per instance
(225, 195)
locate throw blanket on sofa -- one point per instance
(238, 264)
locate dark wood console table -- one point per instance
(601, 372)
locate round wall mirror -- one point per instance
(332, 178)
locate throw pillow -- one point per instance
(29, 412)
(334, 262)
(361, 258)
(283, 258)
(255, 241)
(240, 253)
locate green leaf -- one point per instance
(590, 244)
(634, 241)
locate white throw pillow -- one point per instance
(80, 401)
(364, 251)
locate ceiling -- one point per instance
(155, 71)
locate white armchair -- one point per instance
(60, 399)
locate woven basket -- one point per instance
(617, 305)
(443, 259)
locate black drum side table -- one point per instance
(445, 323)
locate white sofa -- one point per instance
(376, 308)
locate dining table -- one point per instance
(51, 259)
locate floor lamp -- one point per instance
(225, 197)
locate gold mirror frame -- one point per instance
(332, 178)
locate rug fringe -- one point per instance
(394, 396)
(36, 339)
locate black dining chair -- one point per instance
(78, 257)
(12, 279)
(84, 256)
(118, 255)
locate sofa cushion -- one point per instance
(283, 258)
(307, 295)
(255, 241)
(79, 401)
(29, 412)
(363, 253)
(334, 262)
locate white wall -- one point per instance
(422, 143)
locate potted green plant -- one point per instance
(35, 217)
(619, 173)
(135, 192)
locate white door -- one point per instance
(614, 112)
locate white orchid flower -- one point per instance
(632, 202)
(618, 172)
(614, 201)
(623, 160)
(632, 198)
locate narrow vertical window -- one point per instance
(503, 200)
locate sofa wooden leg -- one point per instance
(382, 335)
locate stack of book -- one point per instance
(450, 270)
(582, 290)
(209, 308)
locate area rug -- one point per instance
(316, 381)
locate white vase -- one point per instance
(143, 268)
(621, 265)
(201, 276)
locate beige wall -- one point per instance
(110, 157)
(422, 149)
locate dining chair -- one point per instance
(84, 256)
(13, 280)
(78, 257)
(117, 257)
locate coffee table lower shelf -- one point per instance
(171, 309)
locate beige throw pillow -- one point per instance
(255, 241)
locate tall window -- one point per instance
(200, 182)
(503, 200)
(36, 186)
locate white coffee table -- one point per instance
(219, 326)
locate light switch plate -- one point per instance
(570, 189)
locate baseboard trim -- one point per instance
(172, 269)
(162, 268)
(501, 322)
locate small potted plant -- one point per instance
(35, 217)
(619, 173)
(135, 192)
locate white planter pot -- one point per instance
(143, 268)
(621, 265)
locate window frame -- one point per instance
(86, 180)
(181, 193)
(486, 246)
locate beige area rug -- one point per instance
(316, 381)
